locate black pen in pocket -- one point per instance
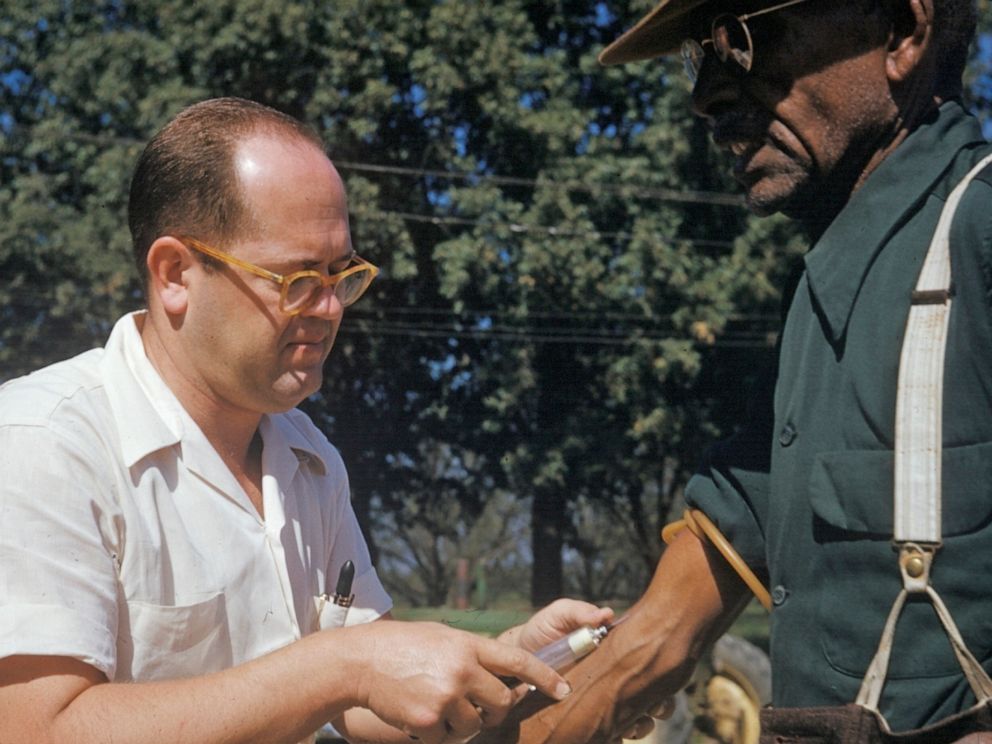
(333, 609)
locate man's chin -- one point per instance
(295, 387)
(767, 196)
(763, 204)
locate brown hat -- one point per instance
(659, 32)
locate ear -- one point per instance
(168, 262)
(912, 37)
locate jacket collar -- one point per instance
(837, 264)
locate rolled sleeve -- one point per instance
(722, 498)
(371, 599)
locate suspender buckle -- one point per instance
(914, 564)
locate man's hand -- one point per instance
(562, 617)
(439, 684)
(559, 618)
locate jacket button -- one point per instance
(779, 595)
(788, 435)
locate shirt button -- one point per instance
(779, 595)
(788, 435)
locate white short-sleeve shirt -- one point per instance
(126, 542)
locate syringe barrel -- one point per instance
(569, 649)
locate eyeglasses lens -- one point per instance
(301, 292)
(305, 290)
(732, 40)
(352, 287)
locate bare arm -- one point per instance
(692, 599)
(424, 678)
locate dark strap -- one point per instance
(854, 724)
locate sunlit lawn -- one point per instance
(751, 625)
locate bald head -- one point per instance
(186, 181)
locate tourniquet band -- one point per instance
(702, 527)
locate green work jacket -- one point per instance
(804, 490)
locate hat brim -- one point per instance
(658, 33)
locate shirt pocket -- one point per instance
(856, 571)
(168, 642)
(327, 614)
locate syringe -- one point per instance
(569, 649)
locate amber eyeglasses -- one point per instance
(731, 40)
(301, 289)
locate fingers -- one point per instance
(663, 710)
(463, 721)
(460, 722)
(640, 728)
(560, 618)
(507, 661)
(491, 700)
(568, 614)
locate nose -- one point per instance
(325, 305)
(718, 86)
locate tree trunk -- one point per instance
(547, 528)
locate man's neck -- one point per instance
(232, 431)
(830, 201)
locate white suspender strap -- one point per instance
(918, 439)
(921, 385)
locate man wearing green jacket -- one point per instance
(847, 117)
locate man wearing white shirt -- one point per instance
(168, 519)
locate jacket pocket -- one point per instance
(852, 490)
(851, 495)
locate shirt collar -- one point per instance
(144, 409)
(291, 430)
(838, 262)
(149, 417)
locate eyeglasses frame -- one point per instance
(692, 49)
(284, 280)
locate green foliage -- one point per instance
(572, 298)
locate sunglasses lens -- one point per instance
(692, 59)
(732, 40)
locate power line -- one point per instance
(757, 337)
(575, 336)
(685, 196)
(494, 312)
(26, 298)
(571, 340)
(516, 227)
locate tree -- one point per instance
(572, 297)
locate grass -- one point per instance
(487, 622)
(752, 625)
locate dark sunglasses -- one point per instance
(731, 40)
